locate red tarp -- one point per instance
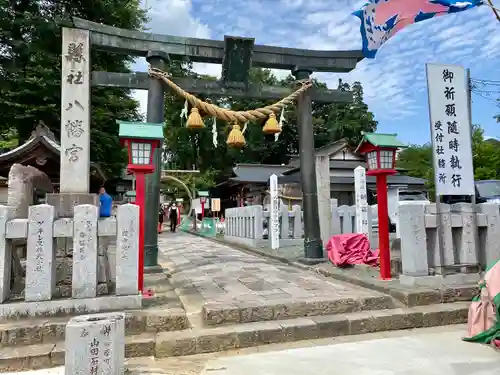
(350, 249)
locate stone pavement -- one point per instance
(433, 352)
(227, 285)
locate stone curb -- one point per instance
(224, 338)
(409, 298)
(248, 312)
(51, 330)
(209, 340)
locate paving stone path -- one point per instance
(211, 276)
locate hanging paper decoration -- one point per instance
(382, 19)
(184, 112)
(214, 131)
(280, 124)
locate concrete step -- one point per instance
(223, 338)
(214, 314)
(52, 329)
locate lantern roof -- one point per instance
(140, 130)
(381, 140)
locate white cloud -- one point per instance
(172, 17)
(393, 82)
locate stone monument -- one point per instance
(323, 183)
(75, 124)
(95, 344)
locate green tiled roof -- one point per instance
(382, 140)
(140, 130)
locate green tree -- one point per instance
(350, 119)
(30, 70)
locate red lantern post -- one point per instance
(203, 199)
(380, 151)
(141, 139)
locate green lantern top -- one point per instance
(381, 140)
(140, 130)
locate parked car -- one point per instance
(486, 191)
(395, 198)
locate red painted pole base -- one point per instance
(148, 293)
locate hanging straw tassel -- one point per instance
(194, 120)
(271, 125)
(236, 138)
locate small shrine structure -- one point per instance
(43, 151)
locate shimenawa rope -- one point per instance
(227, 114)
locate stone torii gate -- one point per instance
(236, 55)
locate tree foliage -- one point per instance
(188, 149)
(30, 70)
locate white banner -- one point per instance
(361, 200)
(274, 222)
(450, 129)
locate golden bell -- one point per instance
(236, 138)
(271, 126)
(194, 120)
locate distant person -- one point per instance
(161, 218)
(173, 216)
(106, 203)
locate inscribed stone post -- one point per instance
(323, 185)
(75, 111)
(335, 224)
(40, 258)
(84, 283)
(95, 344)
(127, 250)
(492, 233)
(361, 201)
(6, 213)
(413, 239)
(468, 251)
(274, 208)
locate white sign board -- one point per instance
(215, 204)
(361, 200)
(75, 111)
(274, 222)
(450, 129)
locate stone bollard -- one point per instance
(95, 344)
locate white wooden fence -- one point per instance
(249, 225)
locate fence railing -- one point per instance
(469, 240)
(86, 229)
(250, 225)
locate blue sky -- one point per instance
(394, 82)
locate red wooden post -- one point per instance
(140, 190)
(202, 201)
(383, 227)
